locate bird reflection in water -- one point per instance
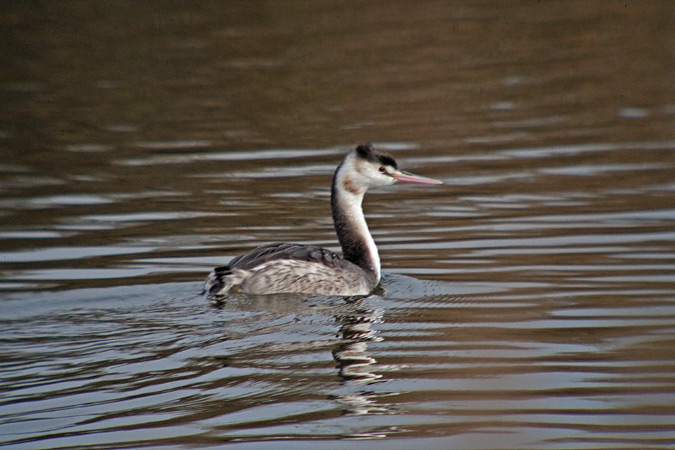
(355, 331)
(354, 362)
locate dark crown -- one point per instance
(365, 151)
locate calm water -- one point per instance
(529, 302)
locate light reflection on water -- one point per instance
(528, 302)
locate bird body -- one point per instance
(307, 269)
(299, 268)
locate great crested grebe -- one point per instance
(306, 269)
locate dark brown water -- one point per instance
(527, 303)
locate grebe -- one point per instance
(306, 269)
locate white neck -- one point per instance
(357, 243)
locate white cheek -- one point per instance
(384, 179)
(370, 175)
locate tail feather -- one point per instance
(216, 283)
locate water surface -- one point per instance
(529, 302)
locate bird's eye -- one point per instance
(382, 169)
